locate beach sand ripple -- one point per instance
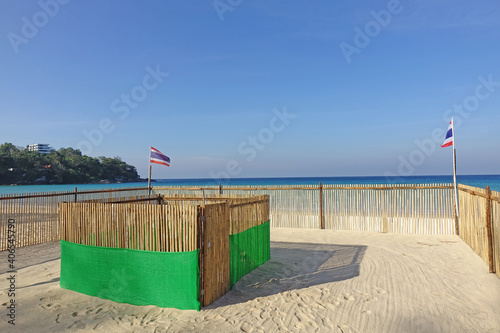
(316, 281)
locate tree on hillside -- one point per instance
(8, 172)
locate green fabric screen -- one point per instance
(248, 250)
(164, 279)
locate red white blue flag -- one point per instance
(448, 140)
(157, 157)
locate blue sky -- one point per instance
(256, 88)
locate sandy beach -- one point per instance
(316, 281)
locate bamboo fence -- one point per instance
(423, 208)
(411, 208)
(35, 215)
(417, 209)
(130, 226)
(170, 226)
(248, 213)
(178, 224)
(480, 223)
(34, 219)
(399, 208)
(214, 254)
(217, 221)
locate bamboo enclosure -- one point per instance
(170, 226)
(176, 224)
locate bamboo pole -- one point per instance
(321, 221)
(201, 247)
(488, 230)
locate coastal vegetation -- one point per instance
(63, 166)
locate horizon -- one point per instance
(257, 89)
(299, 177)
(259, 178)
(480, 181)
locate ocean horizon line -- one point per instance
(473, 180)
(326, 177)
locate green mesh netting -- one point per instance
(165, 279)
(248, 250)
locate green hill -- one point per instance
(64, 166)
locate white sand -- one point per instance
(316, 281)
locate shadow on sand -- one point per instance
(296, 266)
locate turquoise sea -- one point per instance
(474, 180)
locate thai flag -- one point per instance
(157, 157)
(448, 140)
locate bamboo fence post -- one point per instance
(457, 229)
(322, 223)
(385, 217)
(76, 194)
(488, 230)
(201, 246)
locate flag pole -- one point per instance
(149, 174)
(455, 177)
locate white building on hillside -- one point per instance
(41, 148)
